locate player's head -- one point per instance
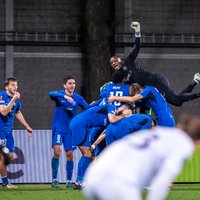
(116, 62)
(134, 89)
(11, 85)
(69, 84)
(117, 77)
(4, 156)
(103, 89)
(191, 125)
(126, 107)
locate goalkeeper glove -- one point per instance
(135, 26)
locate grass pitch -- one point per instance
(45, 192)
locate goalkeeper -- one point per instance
(134, 74)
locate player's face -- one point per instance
(70, 85)
(125, 110)
(12, 87)
(116, 63)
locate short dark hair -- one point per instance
(130, 106)
(134, 89)
(8, 80)
(117, 76)
(67, 78)
(115, 57)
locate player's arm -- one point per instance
(125, 98)
(130, 59)
(66, 104)
(98, 140)
(22, 120)
(83, 103)
(5, 109)
(54, 95)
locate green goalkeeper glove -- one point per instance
(135, 26)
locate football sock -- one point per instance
(5, 180)
(82, 167)
(54, 167)
(69, 169)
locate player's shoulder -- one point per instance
(3, 95)
(77, 96)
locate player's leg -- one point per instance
(165, 89)
(69, 149)
(191, 86)
(56, 145)
(10, 146)
(83, 163)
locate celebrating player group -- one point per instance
(130, 126)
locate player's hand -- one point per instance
(29, 130)
(111, 99)
(70, 99)
(135, 26)
(16, 96)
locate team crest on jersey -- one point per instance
(124, 67)
(1, 99)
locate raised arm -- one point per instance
(5, 109)
(130, 59)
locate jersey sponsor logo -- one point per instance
(2, 101)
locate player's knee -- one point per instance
(57, 153)
(69, 155)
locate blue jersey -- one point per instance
(64, 110)
(117, 90)
(127, 125)
(6, 122)
(159, 106)
(93, 117)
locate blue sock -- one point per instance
(5, 180)
(69, 169)
(54, 167)
(82, 167)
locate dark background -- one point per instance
(52, 39)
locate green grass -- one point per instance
(45, 192)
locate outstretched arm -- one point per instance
(125, 98)
(130, 59)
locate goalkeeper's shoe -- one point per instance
(55, 184)
(197, 78)
(10, 186)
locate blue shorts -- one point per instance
(8, 139)
(80, 133)
(59, 138)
